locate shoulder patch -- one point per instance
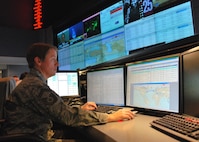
(48, 97)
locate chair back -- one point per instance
(7, 85)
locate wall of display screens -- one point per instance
(124, 26)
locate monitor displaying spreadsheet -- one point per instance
(154, 84)
(106, 86)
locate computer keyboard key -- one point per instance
(184, 127)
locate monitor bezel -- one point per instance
(186, 109)
(109, 68)
(155, 112)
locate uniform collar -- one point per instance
(37, 73)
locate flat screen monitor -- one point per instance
(72, 57)
(92, 25)
(104, 47)
(133, 10)
(76, 33)
(153, 84)
(169, 25)
(65, 83)
(190, 75)
(63, 39)
(109, 35)
(106, 86)
(161, 3)
(112, 17)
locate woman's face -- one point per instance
(48, 67)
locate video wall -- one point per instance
(127, 25)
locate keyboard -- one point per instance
(181, 126)
(107, 109)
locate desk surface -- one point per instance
(136, 130)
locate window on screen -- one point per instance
(154, 84)
(105, 47)
(161, 3)
(92, 25)
(112, 17)
(137, 9)
(106, 86)
(113, 45)
(174, 23)
(169, 25)
(63, 39)
(76, 33)
(93, 51)
(140, 33)
(65, 83)
(72, 57)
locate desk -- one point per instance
(136, 130)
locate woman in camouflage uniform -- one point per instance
(33, 106)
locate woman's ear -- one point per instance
(37, 61)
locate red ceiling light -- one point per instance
(37, 15)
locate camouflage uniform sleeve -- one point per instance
(55, 109)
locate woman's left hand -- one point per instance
(89, 106)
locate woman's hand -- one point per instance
(121, 114)
(89, 106)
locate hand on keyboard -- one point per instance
(89, 106)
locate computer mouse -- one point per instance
(135, 112)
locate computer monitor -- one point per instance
(190, 79)
(65, 83)
(153, 84)
(106, 86)
(76, 33)
(112, 17)
(114, 31)
(63, 39)
(167, 26)
(92, 25)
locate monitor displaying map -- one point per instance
(105, 47)
(115, 31)
(154, 84)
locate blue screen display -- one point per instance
(121, 28)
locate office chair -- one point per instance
(7, 84)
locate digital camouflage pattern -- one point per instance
(33, 107)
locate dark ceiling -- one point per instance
(58, 13)
(16, 13)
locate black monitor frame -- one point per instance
(190, 81)
(155, 112)
(109, 69)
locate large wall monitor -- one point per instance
(122, 27)
(154, 84)
(165, 26)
